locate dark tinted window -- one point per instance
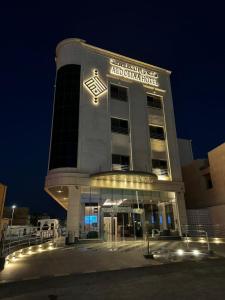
(154, 101)
(118, 92)
(119, 125)
(156, 132)
(64, 144)
(122, 160)
(159, 164)
(208, 181)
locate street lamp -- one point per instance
(13, 208)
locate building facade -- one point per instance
(205, 188)
(185, 151)
(3, 189)
(21, 215)
(113, 159)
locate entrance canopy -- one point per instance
(123, 180)
(58, 184)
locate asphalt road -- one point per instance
(203, 280)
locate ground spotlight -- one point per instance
(180, 252)
(217, 241)
(202, 240)
(196, 252)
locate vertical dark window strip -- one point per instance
(64, 145)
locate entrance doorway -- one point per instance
(123, 225)
(110, 228)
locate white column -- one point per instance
(176, 216)
(181, 211)
(162, 212)
(73, 214)
(82, 217)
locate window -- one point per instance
(65, 129)
(119, 126)
(118, 92)
(120, 162)
(157, 132)
(154, 101)
(208, 181)
(159, 167)
(159, 164)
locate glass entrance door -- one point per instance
(110, 228)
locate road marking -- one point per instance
(114, 269)
(3, 281)
(89, 271)
(61, 274)
(6, 281)
(30, 278)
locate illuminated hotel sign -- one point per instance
(132, 72)
(95, 86)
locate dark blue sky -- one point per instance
(185, 38)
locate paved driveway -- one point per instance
(84, 258)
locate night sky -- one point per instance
(187, 39)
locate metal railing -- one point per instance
(214, 231)
(202, 233)
(12, 243)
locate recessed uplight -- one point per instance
(196, 252)
(180, 252)
(217, 241)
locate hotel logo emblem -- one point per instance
(95, 86)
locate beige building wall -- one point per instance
(217, 214)
(2, 202)
(198, 194)
(217, 171)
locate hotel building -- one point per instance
(113, 158)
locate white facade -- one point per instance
(125, 134)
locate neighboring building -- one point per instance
(34, 217)
(205, 187)
(21, 215)
(50, 226)
(185, 151)
(3, 189)
(114, 162)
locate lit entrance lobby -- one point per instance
(118, 206)
(118, 214)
